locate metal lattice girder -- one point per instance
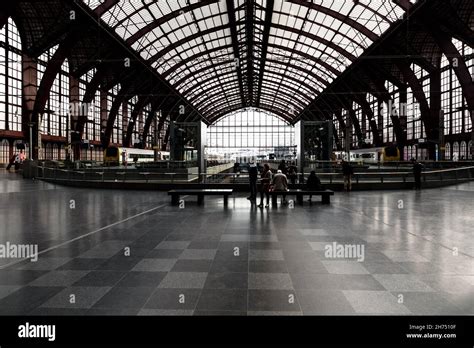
(285, 108)
(304, 57)
(458, 64)
(156, 23)
(368, 112)
(418, 92)
(174, 36)
(143, 100)
(288, 93)
(52, 70)
(271, 89)
(155, 107)
(89, 95)
(105, 6)
(354, 120)
(250, 49)
(3, 19)
(383, 94)
(350, 21)
(126, 92)
(214, 117)
(304, 88)
(265, 38)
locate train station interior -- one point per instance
(236, 157)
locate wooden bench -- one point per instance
(200, 193)
(325, 195)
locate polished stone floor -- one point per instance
(106, 252)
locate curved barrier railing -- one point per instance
(128, 175)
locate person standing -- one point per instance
(417, 169)
(292, 173)
(266, 179)
(12, 161)
(253, 177)
(17, 162)
(282, 166)
(313, 183)
(22, 156)
(124, 157)
(347, 172)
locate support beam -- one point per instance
(141, 103)
(149, 119)
(458, 65)
(355, 122)
(368, 112)
(166, 18)
(3, 19)
(104, 7)
(235, 46)
(52, 70)
(420, 96)
(29, 85)
(91, 90)
(249, 36)
(265, 42)
(117, 103)
(339, 16)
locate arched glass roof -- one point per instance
(223, 55)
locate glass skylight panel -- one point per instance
(197, 66)
(93, 4)
(342, 7)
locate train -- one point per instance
(371, 155)
(113, 155)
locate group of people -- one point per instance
(277, 182)
(16, 160)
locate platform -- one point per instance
(418, 249)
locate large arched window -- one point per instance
(137, 124)
(455, 151)
(457, 118)
(392, 109)
(54, 119)
(250, 132)
(116, 135)
(447, 151)
(92, 126)
(10, 77)
(406, 155)
(463, 151)
(4, 151)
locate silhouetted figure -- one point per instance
(236, 167)
(253, 177)
(12, 161)
(282, 167)
(313, 183)
(266, 179)
(347, 171)
(124, 158)
(417, 169)
(292, 173)
(17, 162)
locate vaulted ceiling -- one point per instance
(224, 55)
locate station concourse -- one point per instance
(236, 157)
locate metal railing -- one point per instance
(100, 175)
